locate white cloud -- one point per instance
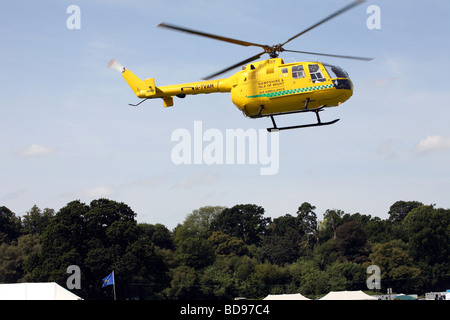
(389, 148)
(383, 81)
(110, 190)
(145, 182)
(34, 150)
(433, 142)
(197, 179)
(98, 192)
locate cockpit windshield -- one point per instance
(335, 71)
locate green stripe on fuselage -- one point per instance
(291, 91)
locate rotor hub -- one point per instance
(274, 50)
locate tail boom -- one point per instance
(147, 90)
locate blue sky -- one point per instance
(68, 133)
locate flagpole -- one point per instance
(114, 285)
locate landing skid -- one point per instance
(316, 111)
(318, 124)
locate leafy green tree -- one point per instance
(428, 231)
(10, 225)
(35, 221)
(231, 276)
(346, 275)
(13, 256)
(184, 284)
(397, 270)
(192, 247)
(62, 245)
(308, 220)
(98, 238)
(191, 238)
(374, 228)
(201, 219)
(333, 219)
(221, 253)
(269, 279)
(394, 228)
(225, 245)
(351, 241)
(326, 253)
(244, 267)
(218, 280)
(308, 277)
(158, 234)
(400, 209)
(429, 234)
(284, 241)
(243, 221)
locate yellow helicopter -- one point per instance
(266, 88)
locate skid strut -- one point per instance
(305, 109)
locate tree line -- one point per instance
(223, 253)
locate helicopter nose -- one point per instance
(345, 84)
(340, 77)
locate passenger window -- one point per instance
(298, 72)
(316, 74)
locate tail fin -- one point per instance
(143, 89)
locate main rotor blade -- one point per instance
(346, 8)
(330, 55)
(235, 66)
(212, 36)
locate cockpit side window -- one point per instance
(298, 72)
(316, 74)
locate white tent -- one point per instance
(347, 295)
(295, 296)
(35, 291)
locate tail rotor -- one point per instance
(115, 65)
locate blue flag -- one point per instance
(108, 280)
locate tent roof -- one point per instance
(347, 295)
(403, 296)
(35, 291)
(295, 296)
